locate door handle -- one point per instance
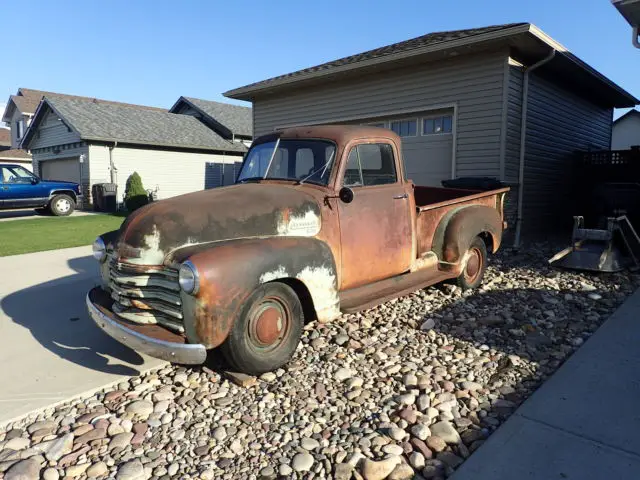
(401, 197)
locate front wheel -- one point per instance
(62, 205)
(267, 331)
(475, 264)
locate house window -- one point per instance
(19, 129)
(437, 125)
(405, 128)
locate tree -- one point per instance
(135, 196)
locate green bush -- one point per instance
(135, 196)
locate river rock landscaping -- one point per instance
(406, 390)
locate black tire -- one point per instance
(475, 265)
(62, 205)
(267, 331)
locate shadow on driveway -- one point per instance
(55, 313)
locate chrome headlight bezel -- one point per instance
(99, 250)
(188, 278)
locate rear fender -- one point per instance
(460, 227)
(231, 271)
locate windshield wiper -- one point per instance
(323, 168)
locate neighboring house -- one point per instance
(5, 139)
(232, 122)
(93, 141)
(626, 131)
(457, 100)
(630, 10)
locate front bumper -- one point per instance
(152, 340)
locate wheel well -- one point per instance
(303, 294)
(71, 193)
(489, 241)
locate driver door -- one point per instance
(19, 189)
(375, 228)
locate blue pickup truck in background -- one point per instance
(19, 188)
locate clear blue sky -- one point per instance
(151, 52)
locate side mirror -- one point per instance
(34, 181)
(346, 195)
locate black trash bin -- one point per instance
(474, 183)
(105, 197)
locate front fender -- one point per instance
(461, 226)
(231, 271)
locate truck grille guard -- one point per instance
(146, 295)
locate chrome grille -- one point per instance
(146, 295)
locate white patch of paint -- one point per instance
(321, 283)
(305, 225)
(279, 272)
(151, 255)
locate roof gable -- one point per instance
(630, 114)
(230, 119)
(94, 120)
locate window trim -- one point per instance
(399, 178)
(406, 119)
(433, 117)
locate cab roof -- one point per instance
(340, 134)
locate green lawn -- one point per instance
(39, 234)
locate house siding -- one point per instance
(52, 132)
(559, 125)
(626, 133)
(174, 173)
(474, 84)
(17, 116)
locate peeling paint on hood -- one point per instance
(152, 233)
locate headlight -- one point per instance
(188, 278)
(99, 250)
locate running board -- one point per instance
(373, 294)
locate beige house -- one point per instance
(626, 131)
(91, 141)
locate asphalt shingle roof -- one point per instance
(236, 118)
(110, 121)
(395, 48)
(14, 154)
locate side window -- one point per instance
(371, 164)
(352, 174)
(5, 174)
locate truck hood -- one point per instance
(157, 233)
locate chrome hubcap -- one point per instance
(63, 205)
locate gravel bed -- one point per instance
(406, 390)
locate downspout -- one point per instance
(523, 139)
(114, 176)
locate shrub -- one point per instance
(135, 196)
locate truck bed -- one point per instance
(433, 203)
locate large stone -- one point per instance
(445, 431)
(132, 470)
(420, 431)
(379, 470)
(436, 444)
(342, 471)
(17, 443)
(343, 374)
(95, 434)
(401, 472)
(76, 470)
(422, 447)
(416, 460)
(121, 440)
(309, 443)
(50, 474)
(61, 446)
(141, 408)
(302, 462)
(44, 425)
(97, 470)
(24, 470)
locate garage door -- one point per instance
(427, 142)
(67, 169)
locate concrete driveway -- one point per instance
(50, 349)
(26, 213)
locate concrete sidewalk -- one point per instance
(50, 350)
(29, 213)
(583, 423)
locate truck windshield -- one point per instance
(304, 161)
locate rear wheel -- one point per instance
(62, 205)
(475, 264)
(267, 332)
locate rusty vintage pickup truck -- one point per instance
(321, 220)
